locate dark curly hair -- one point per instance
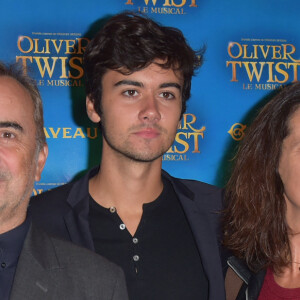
(131, 41)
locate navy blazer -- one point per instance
(64, 212)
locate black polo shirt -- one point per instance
(11, 244)
(161, 261)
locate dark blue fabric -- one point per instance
(11, 244)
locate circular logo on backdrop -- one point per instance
(237, 131)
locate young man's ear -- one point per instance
(91, 112)
(179, 124)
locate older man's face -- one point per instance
(20, 162)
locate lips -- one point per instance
(148, 133)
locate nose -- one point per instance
(150, 110)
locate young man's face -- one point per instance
(140, 112)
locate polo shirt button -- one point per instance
(136, 258)
(135, 240)
(112, 209)
(3, 265)
(122, 226)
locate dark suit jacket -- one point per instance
(50, 268)
(64, 211)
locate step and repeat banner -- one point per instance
(252, 49)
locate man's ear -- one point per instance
(91, 112)
(41, 161)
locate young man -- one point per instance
(161, 230)
(33, 264)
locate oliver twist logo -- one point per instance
(57, 57)
(262, 64)
(169, 7)
(186, 141)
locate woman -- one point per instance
(262, 216)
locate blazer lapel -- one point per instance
(204, 223)
(76, 216)
(206, 239)
(34, 278)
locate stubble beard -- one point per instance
(128, 150)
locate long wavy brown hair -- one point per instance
(255, 227)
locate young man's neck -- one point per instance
(130, 184)
(127, 186)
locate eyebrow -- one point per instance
(171, 84)
(11, 125)
(140, 84)
(129, 82)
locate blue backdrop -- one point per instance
(252, 49)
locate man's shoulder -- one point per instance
(194, 185)
(77, 189)
(61, 191)
(50, 201)
(57, 196)
(200, 186)
(208, 196)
